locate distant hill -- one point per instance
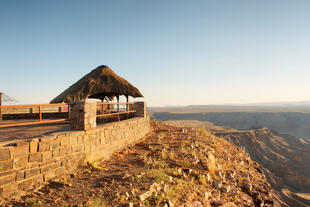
(261, 104)
(303, 107)
(294, 123)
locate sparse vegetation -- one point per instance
(31, 202)
(95, 165)
(202, 131)
(96, 202)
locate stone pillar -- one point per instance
(83, 115)
(140, 108)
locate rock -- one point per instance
(185, 170)
(207, 195)
(72, 175)
(219, 174)
(216, 203)
(234, 191)
(127, 205)
(196, 204)
(165, 188)
(196, 161)
(170, 203)
(179, 171)
(229, 204)
(142, 174)
(154, 188)
(208, 177)
(247, 187)
(170, 178)
(229, 175)
(204, 164)
(211, 163)
(166, 203)
(217, 184)
(225, 189)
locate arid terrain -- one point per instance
(171, 166)
(293, 121)
(285, 158)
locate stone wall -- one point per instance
(26, 164)
(140, 108)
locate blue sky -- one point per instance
(177, 52)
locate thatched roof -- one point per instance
(100, 83)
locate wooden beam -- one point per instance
(33, 123)
(113, 114)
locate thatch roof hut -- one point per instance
(101, 83)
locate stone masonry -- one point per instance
(26, 164)
(83, 115)
(140, 108)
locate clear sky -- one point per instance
(177, 52)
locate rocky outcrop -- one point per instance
(284, 158)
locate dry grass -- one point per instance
(95, 165)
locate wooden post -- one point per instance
(102, 107)
(0, 105)
(69, 111)
(40, 113)
(127, 105)
(117, 103)
(118, 107)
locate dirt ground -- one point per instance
(170, 165)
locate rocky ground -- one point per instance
(172, 166)
(283, 157)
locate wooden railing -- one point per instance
(38, 109)
(106, 109)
